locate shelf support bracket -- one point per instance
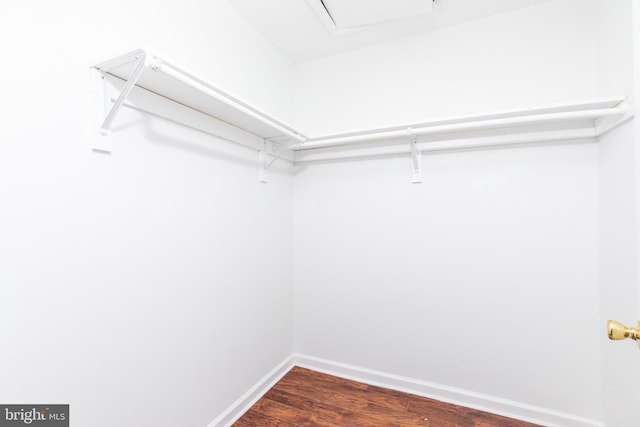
(416, 158)
(99, 110)
(265, 163)
(105, 128)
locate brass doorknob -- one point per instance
(618, 331)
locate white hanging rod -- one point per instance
(463, 126)
(455, 144)
(164, 67)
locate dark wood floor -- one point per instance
(309, 398)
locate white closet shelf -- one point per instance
(555, 123)
(144, 70)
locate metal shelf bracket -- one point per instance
(105, 128)
(265, 163)
(416, 158)
(103, 117)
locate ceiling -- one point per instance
(295, 27)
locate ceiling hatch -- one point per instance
(356, 14)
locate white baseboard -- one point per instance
(246, 401)
(483, 402)
(508, 408)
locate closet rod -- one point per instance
(464, 126)
(449, 145)
(194, 82)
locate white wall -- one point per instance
(483, 277)
(615, 48)
(537, 55)
(618, 270)
(152, 286)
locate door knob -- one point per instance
(618, 331)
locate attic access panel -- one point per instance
(359, 13)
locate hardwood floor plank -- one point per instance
(350, 394)
(290, 399)
(319, 376)
(254, 419)
(277, 410)
(458, 415)
(373, 411)
(308, 398)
